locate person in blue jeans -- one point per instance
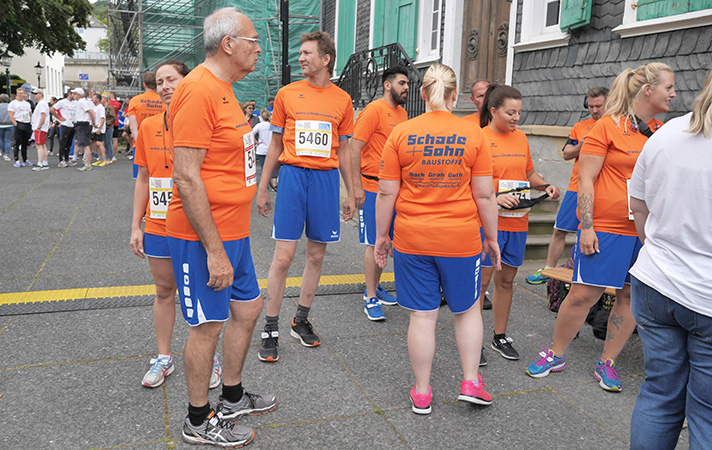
(6, 128)
(670, 193)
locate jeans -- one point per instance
(677, 343)
(6, 140)
(66, 136)
(109, 143)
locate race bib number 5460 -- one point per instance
(312, 138)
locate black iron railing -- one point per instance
(361, 76)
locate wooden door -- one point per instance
(484, 43)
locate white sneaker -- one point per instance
(216, 376)
(158, 372)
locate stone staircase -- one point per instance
(541, 224)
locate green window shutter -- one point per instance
(698, 5)
(574, 14)
(653, 9)
(396, 21)
(345, 40)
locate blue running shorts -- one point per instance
(419, 278)
(609, 267)
(511, 247)
(566, 218)
(311, 197)
(200, 303)
(367, 220)
(155, 246)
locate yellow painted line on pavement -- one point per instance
(149, 289)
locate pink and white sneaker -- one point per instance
(421, 402)
(474, 394)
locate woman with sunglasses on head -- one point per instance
(436, 171)
(607, 244)
(514, 177)
(154, 158)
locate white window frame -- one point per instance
(632, 27)
(423, 52)
(535, 35)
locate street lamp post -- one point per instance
(6, 62)
(38, 71)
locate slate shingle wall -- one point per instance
(329, 16)
(553, 81)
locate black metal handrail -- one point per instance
(362, 80)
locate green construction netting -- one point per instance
(172, 30)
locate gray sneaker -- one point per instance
(249, 405)
(218, 432)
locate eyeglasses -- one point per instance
(254, 41)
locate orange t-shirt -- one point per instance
(578, 132)
(154, 151)
(474, 117)
(435, 156)
(373, 126)
(312, 121)
(511, 160)
(620, 146)
(205, 114)
(145, 105)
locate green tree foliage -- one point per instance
(99, 10)
(45, 24)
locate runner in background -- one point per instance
(373, 126)
(437, 173)
(608, 243)
(143, 106)
(512, 168)
(311, 124)
(566, 219)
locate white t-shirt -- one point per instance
(67, 109)
(22, 110)
(82, 112)
(42, 107)
(674, 176)
(100, 112)
(264, 135)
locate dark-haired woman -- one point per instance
(154, 158)
(513, 174)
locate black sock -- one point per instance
(232, 394)
(499, 336)
(302, 313)
(272, 323)
(198, 414)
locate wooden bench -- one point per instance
(564, 275)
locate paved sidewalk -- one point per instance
(70, 379)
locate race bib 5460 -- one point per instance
(312, 138)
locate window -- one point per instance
(345, 33)
(435, 26)
(540, 25)
(656, 16)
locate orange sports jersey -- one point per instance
(145, 105)
(313, 120)
(620, 146)
(373, 126)
(578, 132)
(474, 117)
(511, 160)
(155, 152)
(435, 156)
(205, 114)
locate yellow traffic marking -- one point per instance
(149, 289)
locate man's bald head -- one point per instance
(479, 88)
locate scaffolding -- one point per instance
(144, 33)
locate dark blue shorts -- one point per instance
(367, 220)
(156, 246)
(566, 218)
(511, 247)
(609, 267)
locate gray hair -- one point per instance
(221, 23)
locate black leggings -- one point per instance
(66, 136)
(23, 133)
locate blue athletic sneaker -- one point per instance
(607, 376)
(373, 310)
(537, 278)
(547, 363)
(385, 297)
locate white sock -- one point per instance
(161, 356)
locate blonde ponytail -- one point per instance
(439, 83)
(628, 87)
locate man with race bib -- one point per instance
(311, 124)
